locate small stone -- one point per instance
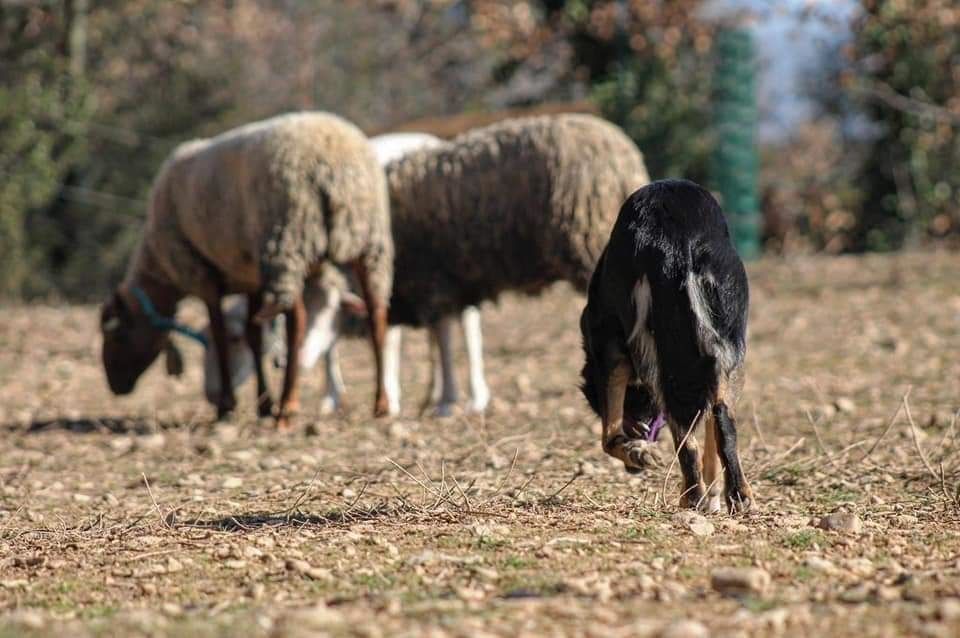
(28, 618)
(256, 591)
(740, 581)
(14, 583)
(173, 565)
(841, 522)
(846, 405)
(685, 629)
(111, 500)
(856, 595)
(696, 523)
(232, 482)
(171, 609)
(235, 564)
(151, 441)
(821, 565)
(948, 609)
(304, 568)
(81, 498)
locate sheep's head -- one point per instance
(131, 344)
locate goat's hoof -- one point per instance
(639, 455)
(712, 504)
(739, 502)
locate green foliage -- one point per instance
(42, 113)
(665, 110)
(906, 54)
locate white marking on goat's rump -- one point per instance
(641, 341)
(711, 343)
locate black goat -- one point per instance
(664, 334)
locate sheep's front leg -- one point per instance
(333, 396)
(391, 365)
(473, 338)
(254, 334)
(377, 317)
(226, 402)
(290, 398)
(442, 333)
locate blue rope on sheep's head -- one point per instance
(160, 322)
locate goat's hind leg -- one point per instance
(688, 457)
(711, 467)
(737, 491)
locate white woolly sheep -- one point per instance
(323, 298)
(256, 211)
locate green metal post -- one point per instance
(734, 165)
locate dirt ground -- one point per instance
(138, 516)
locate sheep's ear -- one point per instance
(354, 304)
(173, 359)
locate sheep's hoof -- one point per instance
(381, 408)
(329, 406)
(225, 408)
(443, 410)
(265, 408)
(283, 423)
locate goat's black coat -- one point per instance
(666, 232)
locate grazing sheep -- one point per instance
(517, 205)
(256, 211)
(664, 334)
(323, 298)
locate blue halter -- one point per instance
(160, 322)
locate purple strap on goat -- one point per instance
(655, 427)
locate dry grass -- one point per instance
(137, 516)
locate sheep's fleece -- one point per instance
(261, 207)
(513, 206)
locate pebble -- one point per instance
(841, 522)
(739, 581)
(304, 568)
(846, 405)
(948, 609)
(685, 629)
(821, 565)
(696, 523)
(857, 594)
(232, 482)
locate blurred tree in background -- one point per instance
(906, 69)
